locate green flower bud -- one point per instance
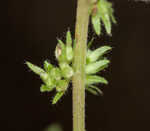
(44, 76)
(47, 66)
(62, 85)
(45, 88)
(66, 70)
(60, 51)
(48, 80)
(55, 74)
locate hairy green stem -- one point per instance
(81, 32)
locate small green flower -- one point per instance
(55, 73)
(62, 85)
(60, 51)
(47, 66)
(66, 70)
(45, 88)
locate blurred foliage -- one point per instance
(53, 127)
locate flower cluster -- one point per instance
(102, 11)
(58, 78)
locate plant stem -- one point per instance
(81, 32)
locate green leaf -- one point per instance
(45, 88)
(62, 85)
(47, 66)
(37, 70)
(96, 54)
(57, 97)
(94, 79)
(93, 68)
(68, 38)
(96, 24)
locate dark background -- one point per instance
(28, 32)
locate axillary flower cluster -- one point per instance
(58, 78)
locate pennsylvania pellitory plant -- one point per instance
(77, 62)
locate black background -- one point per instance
(28, 32)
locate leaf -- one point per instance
(96, 24)
(57, 97)
(45, 88)
(95, 67)
(47, 66)
(37, 70)
(94, 55)
(94, 79)
(68, 38)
